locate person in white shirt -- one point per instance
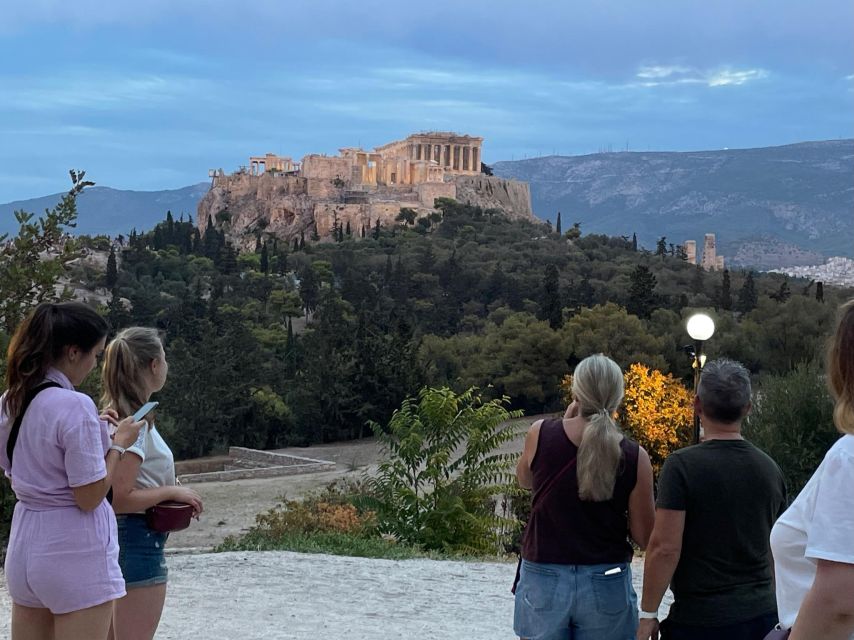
(135, 367)
(813, 541)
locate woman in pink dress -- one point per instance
(62, 567)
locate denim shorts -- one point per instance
(575, 602)
(141, 556)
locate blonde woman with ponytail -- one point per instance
(813, 541)
(135, 367)
(592, 493)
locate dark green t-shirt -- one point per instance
(731, 493)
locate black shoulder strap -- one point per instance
(28, 398)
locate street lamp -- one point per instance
(700, 327)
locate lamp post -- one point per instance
(700, 328)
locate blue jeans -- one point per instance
(141, 556)
(575, 602)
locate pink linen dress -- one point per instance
(59, 557)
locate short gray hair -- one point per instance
(724, 390)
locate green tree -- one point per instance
(792, 421)
(31, 263)
(407, 216)
(557, 224)
(610, 329)
(642, 297)
(112, 271)
(661, 247)
(725, 295)
(444, 469)
(265, 260)
(748, 298)
(551, 307)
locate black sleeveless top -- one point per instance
(566, 530)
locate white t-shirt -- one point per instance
(819, 525)
(158, 464)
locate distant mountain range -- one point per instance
(113, 211)
(769, 207)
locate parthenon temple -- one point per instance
(420, 158)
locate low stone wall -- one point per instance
(251, 463)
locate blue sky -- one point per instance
(151, 94)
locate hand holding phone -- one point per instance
(144, 410)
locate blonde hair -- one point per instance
(840, 369)
(126, 358)
(597, 385)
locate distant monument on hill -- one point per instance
(710, 260)
(359, 189)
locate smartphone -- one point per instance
(144, 410)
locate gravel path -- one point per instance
(283, 595)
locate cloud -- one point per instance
(731, 77)
(666, 75)
(661, 71)
(108, 92)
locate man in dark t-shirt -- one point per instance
(716, 504)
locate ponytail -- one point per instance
(41, 340)
(597, 385)
(125, 361)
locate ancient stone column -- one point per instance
(475, 155)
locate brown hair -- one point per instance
(840, 369)
(40, 341)
(597, 385)
(125, 360)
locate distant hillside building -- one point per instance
(710, 261)
(690, 247)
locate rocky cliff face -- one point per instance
(488, 192)
(286, 206)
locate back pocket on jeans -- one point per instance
(538, 586)
(611, 592)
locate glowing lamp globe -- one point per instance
(701, 327)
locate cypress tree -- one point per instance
(747, 296)
(112, 270)
(557, 224)
(265, 260)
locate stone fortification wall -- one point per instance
(325, 167)
(429, 191)
(513, 197)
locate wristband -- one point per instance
(121, 450)
(648, 615)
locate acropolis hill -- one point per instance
(283, 198)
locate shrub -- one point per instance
(438, 486)
(792, 421)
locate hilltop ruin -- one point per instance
(278, 196)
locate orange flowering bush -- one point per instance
(657, 411)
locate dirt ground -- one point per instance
(231, 507)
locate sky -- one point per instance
(150, 95)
